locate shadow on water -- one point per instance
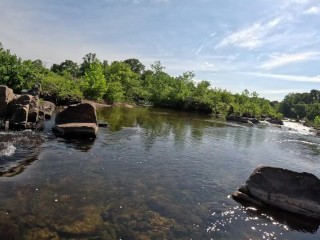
(83, 145)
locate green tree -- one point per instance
(93, 83)
(88, 59)
(67, 66)
(114, 93)
(316, 121)
(135, 65)
(121, 72)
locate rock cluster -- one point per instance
(26, 111)
(247, 118)
(23, 111)
(284, 189)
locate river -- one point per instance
(152, 174)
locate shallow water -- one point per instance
(154, 174)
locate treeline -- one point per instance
(302, 106)
(128, 81)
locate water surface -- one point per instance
(153, 174)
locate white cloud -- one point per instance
(251, 37)
(284, 59)
(290, 78)
(312, 11)
(209, 64)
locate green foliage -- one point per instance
(301, 105)
(60, 86)
(114, 93)
(18, 74)
(88, 59)
(121, 73)
(93, 84)
(317, 121)
(135, 65)
(67, 66)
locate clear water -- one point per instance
(154, 174)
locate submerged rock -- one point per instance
(281, 188)
(87, 222)
(40, 234)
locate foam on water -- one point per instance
(9, 150)
(298, 128)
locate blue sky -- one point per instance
(268, 46)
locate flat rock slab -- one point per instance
(281, 188)
(76, 130)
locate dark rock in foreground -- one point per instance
(281, 188)
(77, 121)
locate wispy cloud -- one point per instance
(251, 37)
(291, 78)
(204, 43)
(284, 59)
(312, 10)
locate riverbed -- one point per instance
(152, 174)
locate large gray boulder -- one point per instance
(77, 121)
(281, 188)
(6, 96)
(78, 113)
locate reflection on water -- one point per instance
(154, 174)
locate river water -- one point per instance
(152, 174)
